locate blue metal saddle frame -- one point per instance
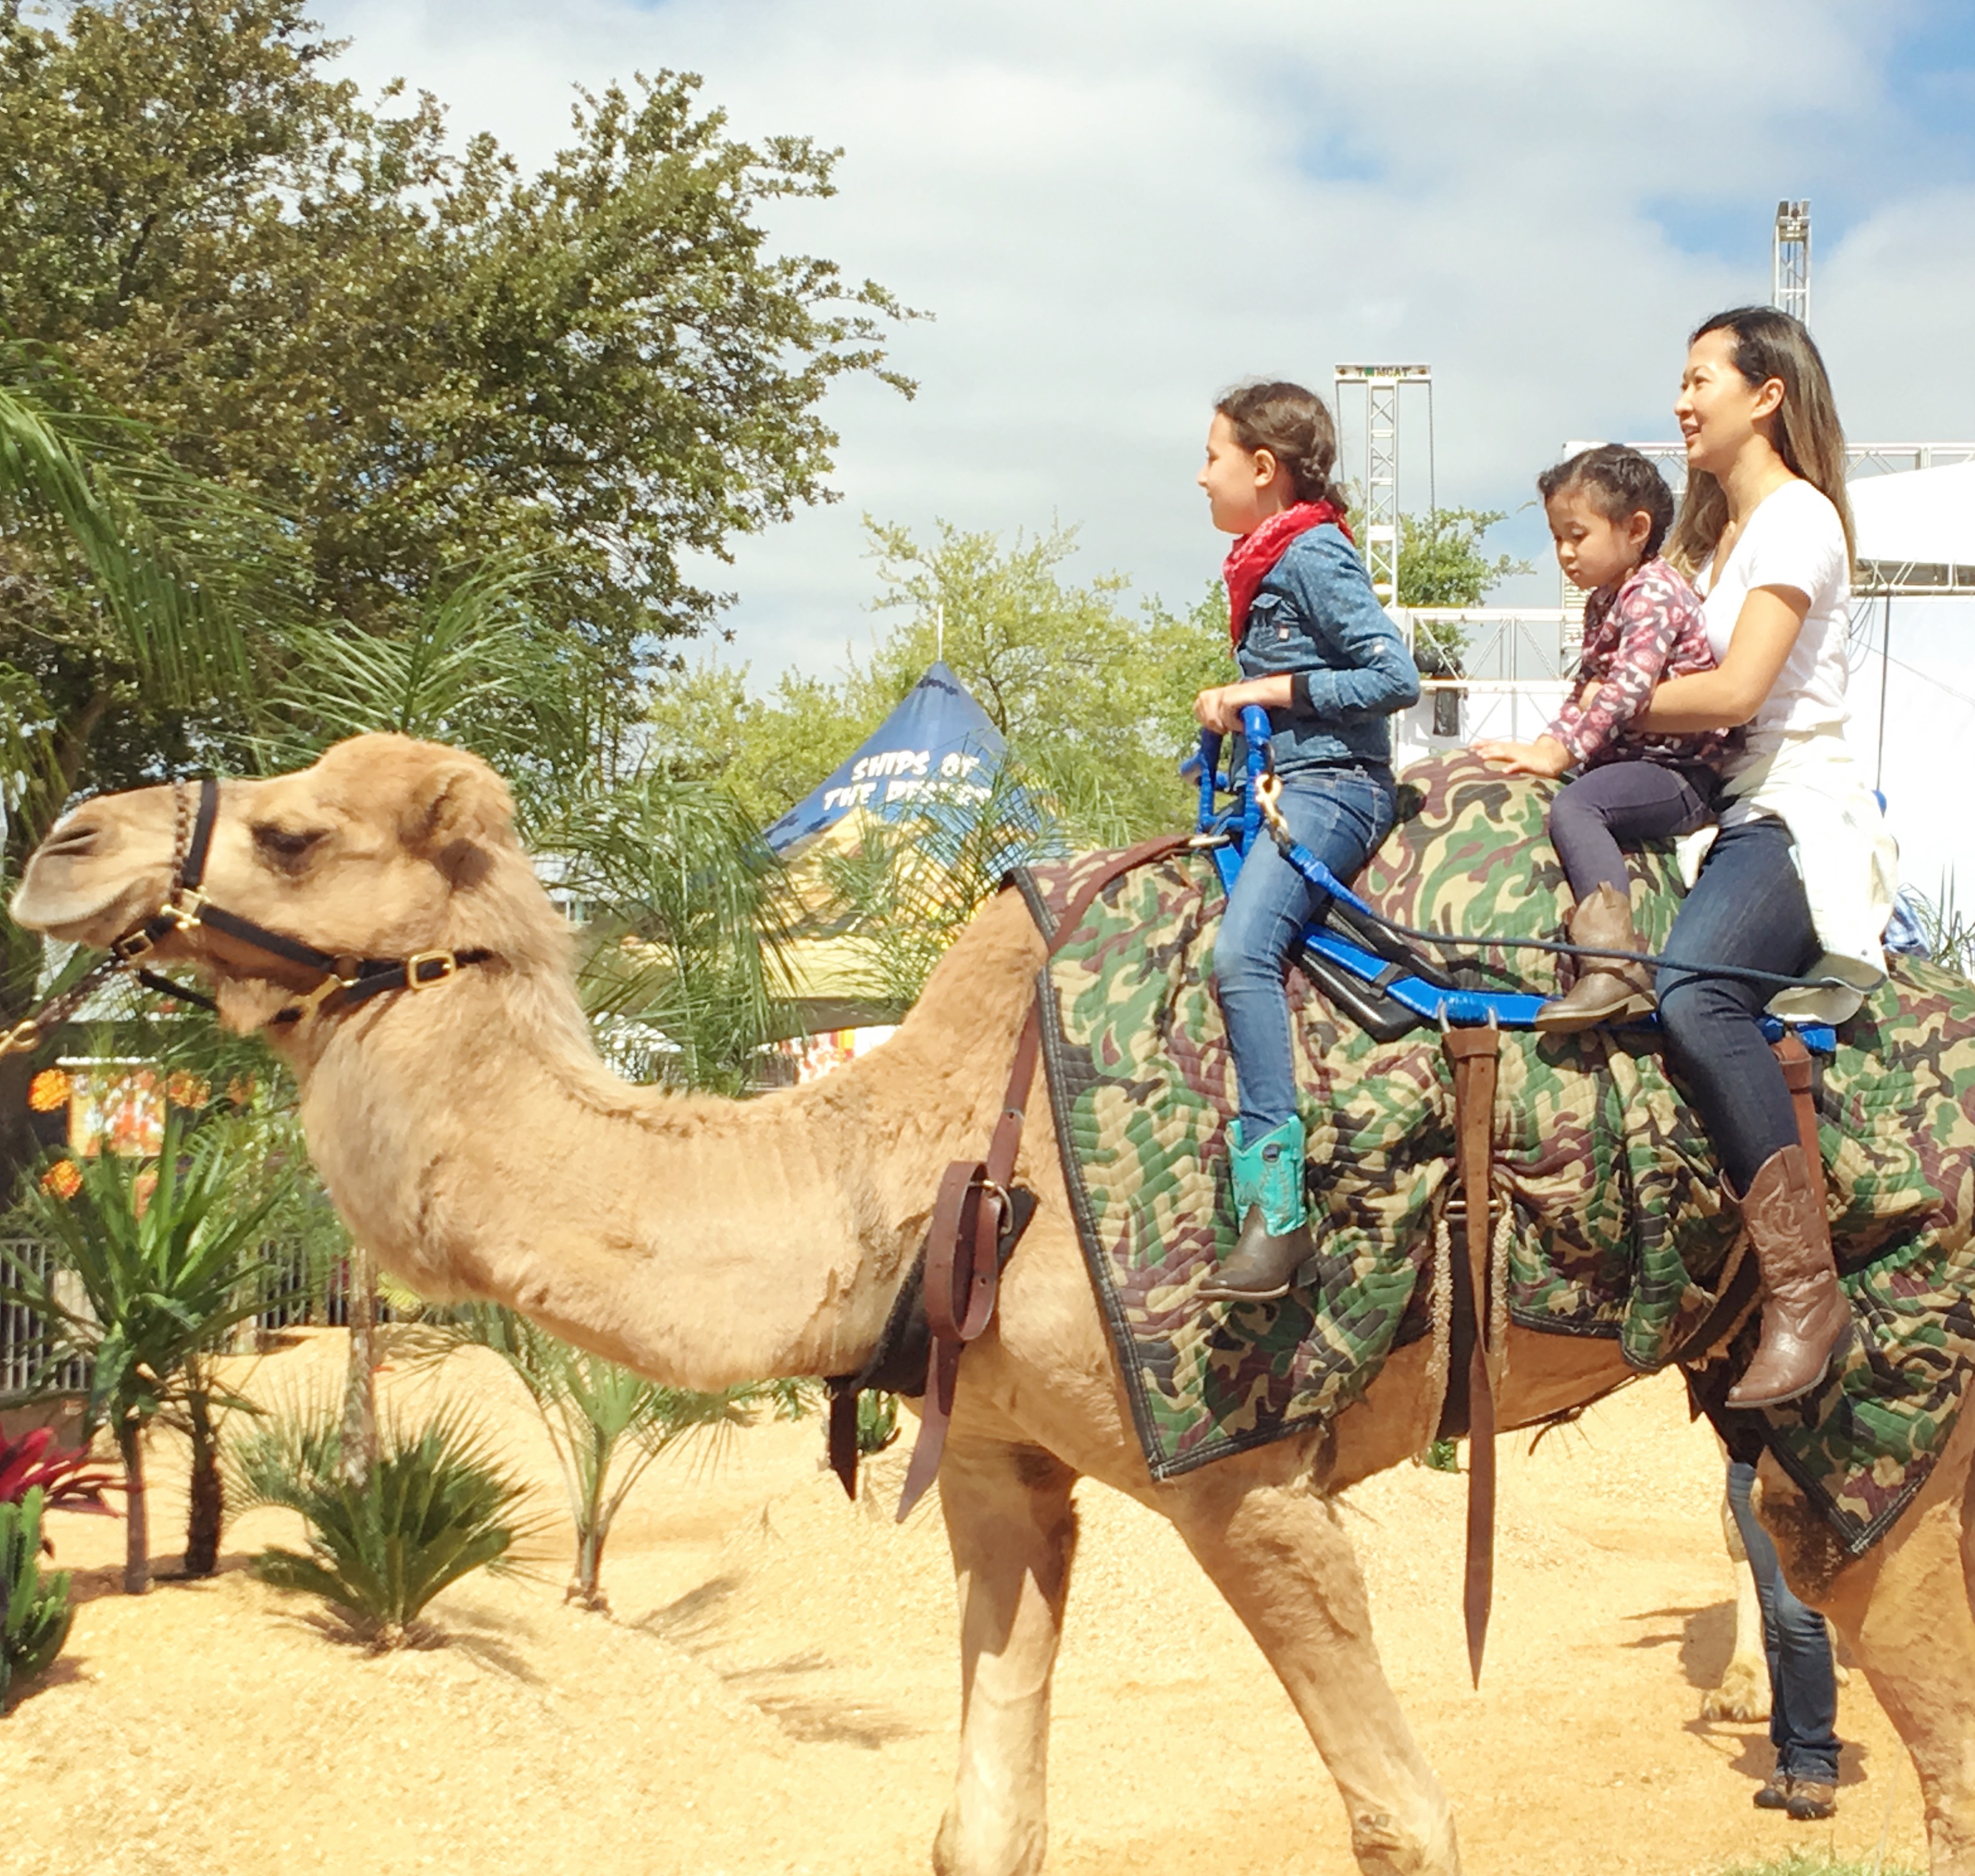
(1396, 975)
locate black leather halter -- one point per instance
(347, 980)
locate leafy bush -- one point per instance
(1818, 1862)
(71, 1478)
(435, 1507)
(37, 1609)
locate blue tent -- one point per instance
(937, 751)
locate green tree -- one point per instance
(429, 365)
(1094, 697)
(1443, 563)
(416, 352)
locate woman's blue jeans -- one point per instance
(1803, 1685)
(1340, 813)
(1747, 908)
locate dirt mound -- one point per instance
(776, 1691)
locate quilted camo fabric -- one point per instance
(1617, 1226)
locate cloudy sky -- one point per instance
(1114, 209)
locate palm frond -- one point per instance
(179, 563)
(474, 667)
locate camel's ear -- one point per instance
(455, 808)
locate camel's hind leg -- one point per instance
(1278, 1554)
(1909, 1611)
(1014, 1533)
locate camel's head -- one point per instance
(385, 847)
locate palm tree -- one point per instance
(167, 1260)
(607, 1424)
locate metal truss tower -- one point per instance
(1381, 384)
(1790, 267)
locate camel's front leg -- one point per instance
(1279, 1556)
(1014, 1533)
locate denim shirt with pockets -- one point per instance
(1315, 614)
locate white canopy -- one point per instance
(1916, 518)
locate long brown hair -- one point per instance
(1807, 434)
(1294, 426)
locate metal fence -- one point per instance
(26, 1342)
(296, 1295)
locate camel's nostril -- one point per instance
(75, 841)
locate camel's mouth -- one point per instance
(73, 890)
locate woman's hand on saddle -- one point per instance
(1546, 756)
(1220, 708)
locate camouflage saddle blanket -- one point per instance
(1612, 1222)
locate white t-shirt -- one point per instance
(1793, 539)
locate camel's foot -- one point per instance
(1384, 1847)
(1743, 1694)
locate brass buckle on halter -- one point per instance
(137, 945)
(184, 907)
(449, 963)
(21, 1039)
(310, 1004)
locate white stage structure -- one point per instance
(1381, 384)
(1790, 260)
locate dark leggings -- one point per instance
(1621, 802)
(1748, 908)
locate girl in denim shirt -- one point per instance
(1319, 654)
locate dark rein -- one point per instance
(348, 980)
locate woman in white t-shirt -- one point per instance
(1799, 880)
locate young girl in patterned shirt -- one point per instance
(1609, 509)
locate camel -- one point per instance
(470, 1135)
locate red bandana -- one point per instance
(1251, 558)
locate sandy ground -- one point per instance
(776, 1691)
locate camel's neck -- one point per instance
(471, 1137)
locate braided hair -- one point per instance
(1619, 483)
(1294, 426)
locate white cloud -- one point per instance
(1114, 210)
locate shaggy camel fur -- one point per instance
(472, 1137)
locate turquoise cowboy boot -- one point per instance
(1275, 1221)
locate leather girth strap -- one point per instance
(963, 1264)
(972, 1214)
(1473, 1052)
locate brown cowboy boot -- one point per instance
(1806, 1321)
(1606, 990)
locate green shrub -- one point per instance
(38, 1612)
(435, 1507)
(1817, 1863)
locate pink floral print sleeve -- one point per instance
(1648, 627)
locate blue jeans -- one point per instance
(1747, 908)
(1340, 813)
(1803, 1686)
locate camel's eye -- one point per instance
(286, 846)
